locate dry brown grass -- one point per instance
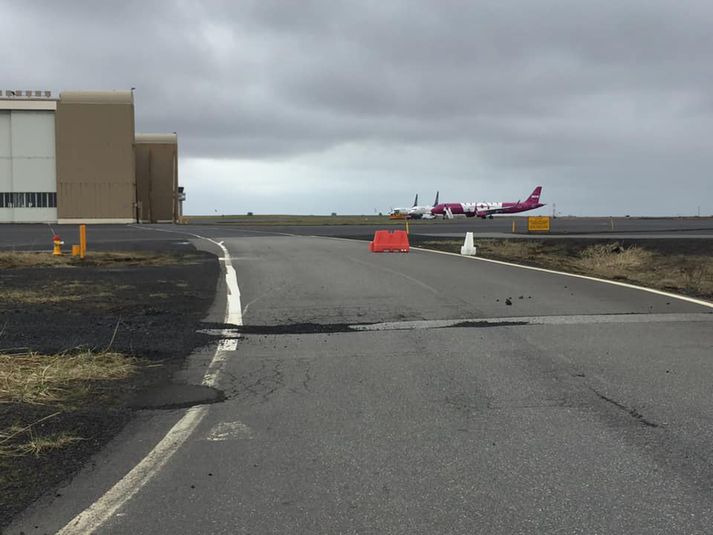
(613, 259)
(691, 274)
(13, 259)
(58, 292)
(511, 248)
(36, 297)
(39, 445)
(65, 382)
(33, 444)
(605, 257)
(61, 379)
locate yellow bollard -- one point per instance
(82, 241)
(57, 245)
(406, 226)
(513, 226)
(75, 250)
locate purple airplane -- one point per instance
(487, 209)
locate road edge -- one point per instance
(93, 517)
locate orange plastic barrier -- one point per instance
(389, 242)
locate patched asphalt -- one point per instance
(574, 427)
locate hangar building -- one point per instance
(77, 159)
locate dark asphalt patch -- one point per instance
(334, 328)
(298, 328)
(481, 324)
(176, 396)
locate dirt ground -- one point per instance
(683, 266)
(146, 310)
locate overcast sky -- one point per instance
(321, 106)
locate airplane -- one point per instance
(487, 209)
(402, 212)
(422, 212)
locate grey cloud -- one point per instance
(557, 90)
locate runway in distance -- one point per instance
(487, 209)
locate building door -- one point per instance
(28, 182)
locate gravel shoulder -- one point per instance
(146, 311)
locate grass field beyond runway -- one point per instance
(298, 220)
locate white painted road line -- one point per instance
(230, 431)
(575, 275)
(92, 518)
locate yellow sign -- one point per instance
(541, 223)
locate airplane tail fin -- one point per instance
(534, 198)
(435, 203)
(415, 201)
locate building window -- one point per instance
(28, 200)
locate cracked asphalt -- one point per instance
(579, 426)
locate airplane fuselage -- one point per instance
(487, 209)
(482, 209)
(420, 212)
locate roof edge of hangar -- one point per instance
(97, 97)
(169, 138)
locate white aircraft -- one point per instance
(404, 211)
(422, 212)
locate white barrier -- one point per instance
(468, 248)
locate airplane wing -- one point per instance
(488, 211)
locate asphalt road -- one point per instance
(38, 236)
(582, 407)
(501, 227)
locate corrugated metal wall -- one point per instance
(27, 166)
(95, 157)
(157, 177)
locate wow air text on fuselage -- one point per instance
(487, 209)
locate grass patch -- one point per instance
(65, 380)
(58, 292)
(60, 384)
(307, 220)
(14, 259)
(613, 259)
(33, 444)
(30, 296)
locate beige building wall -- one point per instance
(96, 171)
(157, 177)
